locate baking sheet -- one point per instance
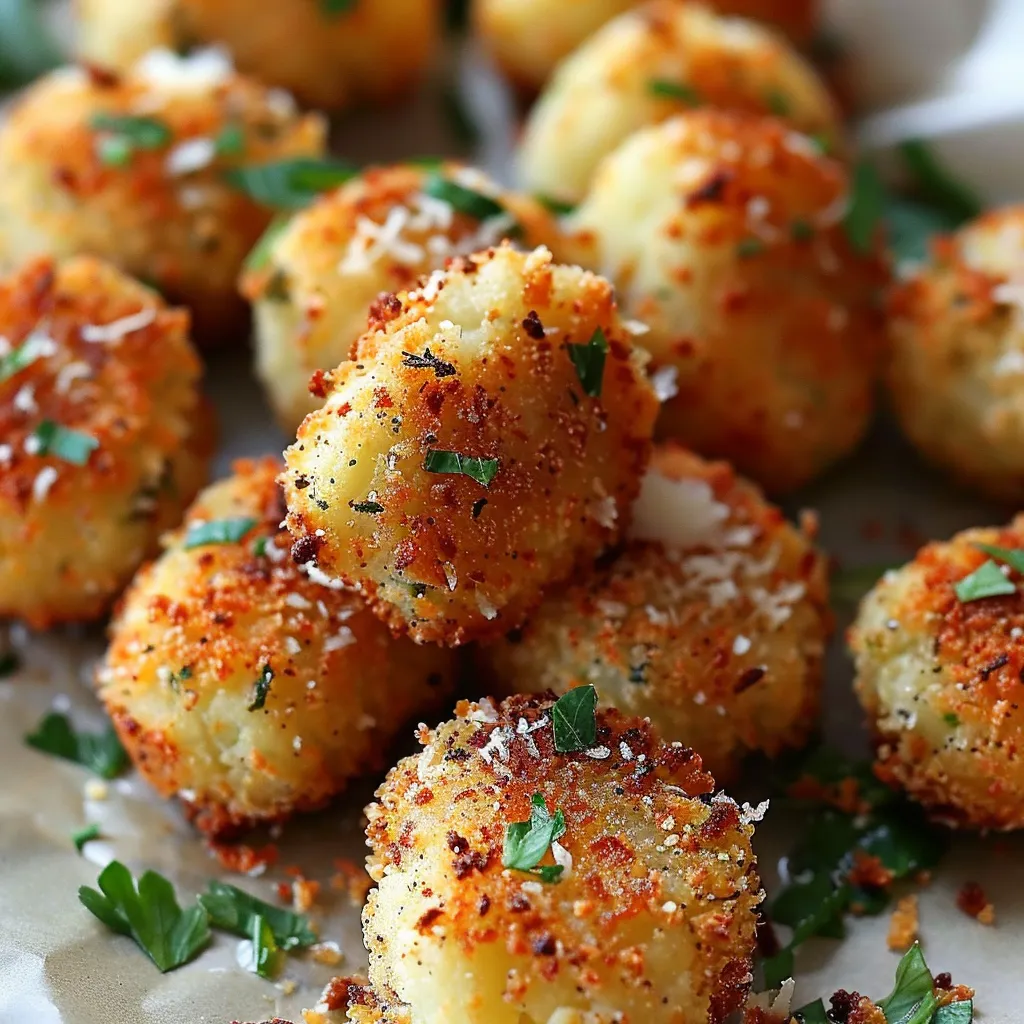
(58, 965)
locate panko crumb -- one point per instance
(352, 879)
(903, 924)
(242, 858)
(971, 899)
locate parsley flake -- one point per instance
(463, 200)
(912, 1000)
(666, 89)
(559, 207)
(230, 140)
(24, 355)
(369, 507)
(262, 689)
(866, 208)
(218, 531)
(263, 950)
(748, 247)
(101, 752)
(85, 835)
(936, 186)
(1013, 557)
(589, 362)
(986, 581)
(290, 184)
(234, 910)
(259, 255)
(778, 103)
(526, 842)
(332, 8)
(125, 134)
(148, 914)
(951, 719)
(482, 471)
(428, 361)
(574, 720)
(67, 445)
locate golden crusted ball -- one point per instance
(132, 169)
(956, 370)
(317, 279)
(328, 54)
(651, 63)
(241, 686)
(488, 436)
(104, 438)
(712, 621)
(725, 233)
(529, 38)
(941, 680)
(651, 918)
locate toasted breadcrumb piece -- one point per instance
(903, 925)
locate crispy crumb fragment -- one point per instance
(971, 899)
(903, 925)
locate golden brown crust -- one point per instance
(202, 625)
(717, 635)
(653, 919)
(131, 394)
(438, 553)
(941, 680)
(167, 218)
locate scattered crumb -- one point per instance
(923, 878)
(304, 895)
(843, 795)
(327, 953)
(287, 986)
(869, 871)
(352, 879)
(243, 859)
(903, 925)
(971, 899)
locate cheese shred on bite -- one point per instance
(651, 919)
(241, 686)
(104, 436)
(460, 462)
(711, 621)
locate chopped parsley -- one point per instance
(259, 255)
(460, 118)
(463, 200)
(910, 226)
(85, 835)
(290, 184)
(122, 135)
(230, 140)
(233, 910)
(218, 531)
(9, 663)
(559, 207)
(778, 103)
(263, 950)
(987, 580)
(332, 8)
(27, 48)
(848, 585)
(369, 507)
(262, 688)
(951, 719)
(149, 914)
(574, 720)
(482, 471)
(18, 358)
(67, 445)
(101, 752)
(526, 842)
(182, 676)
(866, 208)
(428, 361)
(936, 186)
(801, 231)
(589, 362)
(259, 547)
(666, 89)
(1013, 557)
(748, 247)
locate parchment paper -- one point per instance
(58, 965)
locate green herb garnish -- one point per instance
(574, 720)
(332, 8)
(951, 719)
(559, 207)
(1013, 557)
(218, 531)
(866, 209)
(262, 688)
(589, 362)
(801, 231)
(666, 89)
(463, 200)
(986, 581)
(85, 835)
(149, 915)
(264, 953)
(748, 247)
(371, 508)
(27, 48)
(290, 184)
(936, 186)
(778, 103)
(68, 445)
(230, 140)
(460, 118)
(526, 842)
(482, 471)
(234, 910)
(101, 752)
(125, 134)
(848, 585)
(18, 358)
(259, 255)
(910, 226)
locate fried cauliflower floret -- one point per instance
(725, 234)
(940, 679)
(103, 435)
(529, 38)
(649, 64)
(956, 370)
(711, 622)
(328, 54)
(241, 686)
(489, 435)
(651, 918)
(132, 169)
(378, 233)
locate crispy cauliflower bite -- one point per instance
(941, 681)
(475, 363)
(530, 37)
(724, 233)
(378, 233)
(327, 57)
(165, 214)
(616, 83)
(712, 621)
(651, 921)
(203, 624)
(104, 438)
(956, 370)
